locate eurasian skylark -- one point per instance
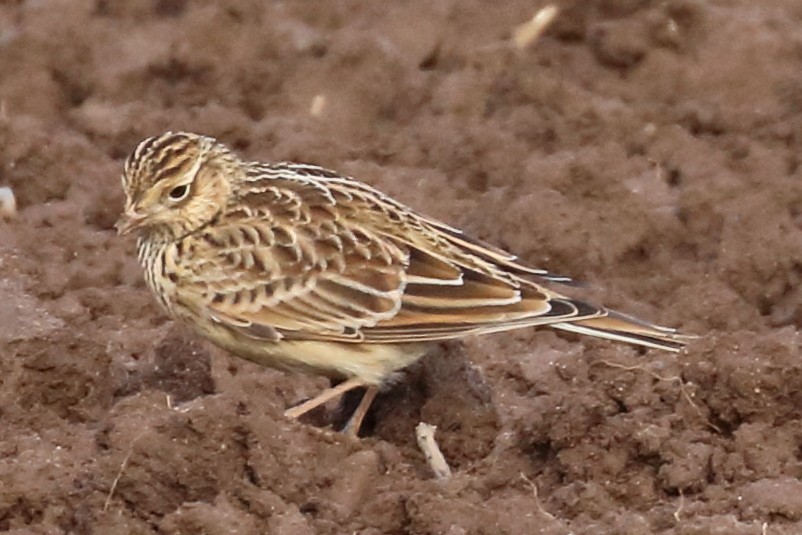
(300, 268)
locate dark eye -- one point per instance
(178, 192)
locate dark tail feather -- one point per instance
(623, 328)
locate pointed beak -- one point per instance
(129, 221)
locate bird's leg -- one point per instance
(323, 397)
(355, 422)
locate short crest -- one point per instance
(162, 157)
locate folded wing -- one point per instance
(322, 257)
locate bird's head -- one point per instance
(175, 183)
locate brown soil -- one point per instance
(649, 148)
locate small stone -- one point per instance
(8, 203)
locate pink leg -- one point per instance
(323, 397)
(355, 422)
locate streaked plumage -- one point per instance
(299, 268)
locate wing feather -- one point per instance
(317, 256)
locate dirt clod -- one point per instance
(648, 149)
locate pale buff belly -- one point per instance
(373, 363)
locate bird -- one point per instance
(300, 268)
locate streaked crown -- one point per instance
(162, 157)
(175, 182)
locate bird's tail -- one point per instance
(623, 328)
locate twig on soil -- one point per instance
(537, 499)
(428, 445)
(530, 31)
(765, 528)
(676, 378)
(680, 508)
(119, 475)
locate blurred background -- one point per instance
(647, 148)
